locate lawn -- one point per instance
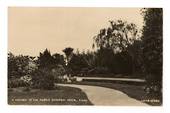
(60, 96)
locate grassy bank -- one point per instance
(59, 96)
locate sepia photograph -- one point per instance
(88, 56)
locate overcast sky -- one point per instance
(31, 30)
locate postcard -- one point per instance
(95, 56)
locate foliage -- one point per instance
(152, 41)
(135, 52)
(118, 36)
(77, 63)
(68, 52)
(13, 83)
(152, 46)
(45, 59)
(25, 70)
(17, 66)
(58, 73)
(43, 79)
(58, 59)
(119, 43)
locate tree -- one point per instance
(45, 60)
(135, 51)
(119, 37)
(89, 58)
(68, 52)
(152, 44)
(44, 77)
(77, 63)
(17, 65)
(19, 68)
(58, 59)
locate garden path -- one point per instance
(106, 96)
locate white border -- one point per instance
(4, 4)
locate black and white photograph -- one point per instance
(88, 56)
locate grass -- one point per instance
(60, 96)
(132, 90)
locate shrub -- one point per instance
(43, 79)
(58, 73)
(13, 83)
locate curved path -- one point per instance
(106, 96)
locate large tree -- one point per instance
(152, 43)
(118, 37)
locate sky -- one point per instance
(33, 29)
